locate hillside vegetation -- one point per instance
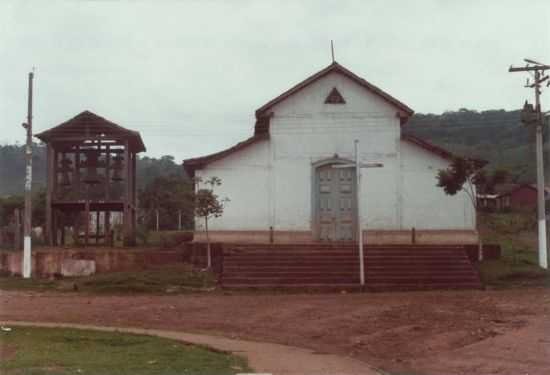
(494, 135)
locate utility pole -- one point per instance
(358, 165)
(537, 120)
(27, 228)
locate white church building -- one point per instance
(283, 185)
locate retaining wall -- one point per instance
(48, 261)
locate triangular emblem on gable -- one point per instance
(335, 97)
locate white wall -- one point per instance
(269, 183)
(244, 178)
(305, 130)
(426, 206)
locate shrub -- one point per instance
(174, 239)
(142, 234)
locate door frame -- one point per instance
(315, 199)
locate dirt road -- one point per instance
(450, 332)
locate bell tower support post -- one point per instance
(49, 192)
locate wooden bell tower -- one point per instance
(91, 180)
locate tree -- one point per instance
(10, 203)
(171, 196)
(464, 175)
(208, 205)
(487, 182)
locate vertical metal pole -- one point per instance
(28, 189)
(359, 226)
(543, 258)
(157, 220)
(87, 214)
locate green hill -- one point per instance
(495, 135)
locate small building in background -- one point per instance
(522, 196)
(511, 197)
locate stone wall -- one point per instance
(49, 261)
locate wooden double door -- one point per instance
(335, 203)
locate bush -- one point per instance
(174, 239)
(142, 234)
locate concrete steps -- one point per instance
(406, 267)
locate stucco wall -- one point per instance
(426, 206)
(245, 183)
(270, 182)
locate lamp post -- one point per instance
(358, 165)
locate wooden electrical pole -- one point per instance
(27, 227)
(539, 77)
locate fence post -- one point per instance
(157, 211)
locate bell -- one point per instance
(91, 177)
(65, 169)
(117, 169)
(65, 179)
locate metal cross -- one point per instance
(358, 166)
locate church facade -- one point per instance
(292, 180)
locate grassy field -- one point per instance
(180, 278)
(518, 265)
(54, 351)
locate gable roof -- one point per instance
(404, 111)
(88, 124)
(263, 116)
(445, 154)
(518, 187)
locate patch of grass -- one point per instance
(62, 351)
(181, 278)
(166, 238)
(506, 272)
(18, 283)
(518, 264)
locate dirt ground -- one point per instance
(436, 332)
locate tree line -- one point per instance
(497, 136)
(162, 186)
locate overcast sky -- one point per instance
(189, 75)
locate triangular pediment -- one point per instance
(265, 110)
(334, 97)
